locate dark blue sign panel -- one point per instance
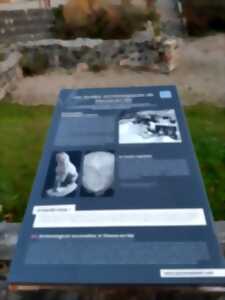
(118, 197)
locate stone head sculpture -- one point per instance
(98, 172)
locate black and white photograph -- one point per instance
(98, 174)
(149, 126)
(63, 174)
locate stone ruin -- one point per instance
(10, 73)
(143, 51)
(139, 52)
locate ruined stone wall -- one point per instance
(138, 52)
(9, 73)
(159, 55)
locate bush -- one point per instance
(34, 63)
(59, 28)
(96, 19)
(97, 68)
(204, 15)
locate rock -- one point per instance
(98, 172)
(3, 92)
(150, 30)
(144, 58)
(12, 60)
(124, 62)
(134, 60)
(9, 73)
(170, 55)
(154, 68)
(109, 50)
(77, 43)
(145, 35)
(8, 240)
(141, 36)
(82, 67)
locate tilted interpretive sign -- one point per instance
(118, 197)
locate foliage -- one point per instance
(59, 28)
(97, 68)
(204, 15)
(2, 56)
(22, 132)
(34, 63)
(96, 19)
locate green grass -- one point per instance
(22, 133)
(207, 125)
(23, 130)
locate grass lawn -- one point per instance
(22, 133)
(23, 130)
(207, 125)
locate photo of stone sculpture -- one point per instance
(66, 175)
(98, 173)
(159, 126)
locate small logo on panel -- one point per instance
(165, 94)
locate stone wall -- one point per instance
(138, 52)
(9, 73)
(25, 25)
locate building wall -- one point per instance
(5, 1)
(25, 25)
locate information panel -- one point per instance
(118, 197)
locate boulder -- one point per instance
(10, 73)
(170, 55)
(82, 67)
